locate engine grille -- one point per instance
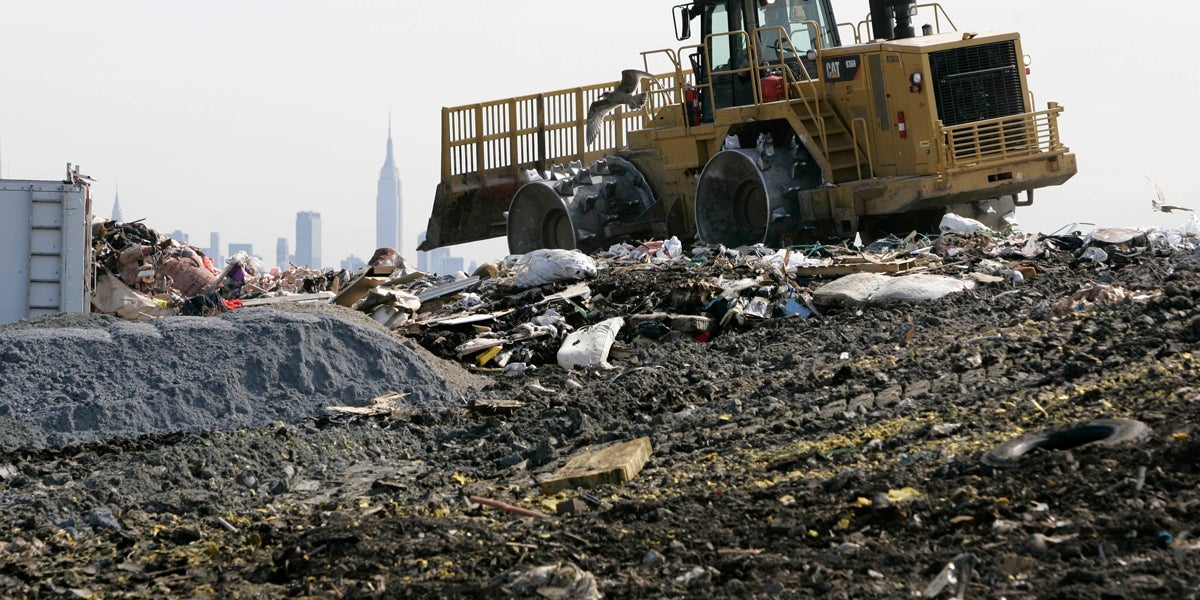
(976, 83)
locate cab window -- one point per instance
(791, 16)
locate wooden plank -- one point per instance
(614, 464)
(856, 265)
(314, 297)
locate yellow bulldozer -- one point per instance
(769, 130)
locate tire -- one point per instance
(1105, 432)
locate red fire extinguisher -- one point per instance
(691, 97)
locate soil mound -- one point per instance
(85, 377)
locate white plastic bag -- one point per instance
(873, 288)
(671, 248)
(921, 287)
(544, 266)
(588, 347)
(952, 223)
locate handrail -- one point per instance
(1000, 140)
(938, 12)
(506, 137)
(812, 100)
(853, 30)
(751, 68)
(854, 139)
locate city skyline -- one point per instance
(205, 140)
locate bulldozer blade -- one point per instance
(472, 216)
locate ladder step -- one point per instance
(850, 163)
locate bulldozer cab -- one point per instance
(737, 33)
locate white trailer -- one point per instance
(45, 247)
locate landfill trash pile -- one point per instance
(970, 415)
(142, 275)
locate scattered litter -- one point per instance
(1086, 298)
(903, 495)
(562, 581)
(615, 464)
(956, 575)
(873, 288)
(1094, 254)
(1105, 432)
(546, 266)
(589, 347)
(952, 223)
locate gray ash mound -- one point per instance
(78, 378)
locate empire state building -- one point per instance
(388, 204)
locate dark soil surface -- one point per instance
(838, 456)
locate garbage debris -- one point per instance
(545, 266)
(589, 347)
(1105, 432)
(563, 581)
(143, 275)
(956, 575)
(615, 464)
(952, 223)
(873, 288)
(1086, 298)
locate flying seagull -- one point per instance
(625, 94)
(1160, 204)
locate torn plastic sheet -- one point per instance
(544, 266)
(952, 223)
(873, 288)
(589, 347)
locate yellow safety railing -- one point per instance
(866, 143)
(938, 14)
(1002, 140)
(505, 137)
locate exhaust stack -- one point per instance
(890, 19)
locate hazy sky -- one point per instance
(232, 116)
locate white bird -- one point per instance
(1160, 204)
(625, 94)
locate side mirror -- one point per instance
(683, 22)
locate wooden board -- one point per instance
(851, 265)
(614, 464)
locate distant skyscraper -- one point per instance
(353, 263)
(442, 263)
(177, 235)
(116, 213)
(281, 253)
(308, 240)
(422, 257)
(388, 204)
(214, 248)
(247, 248)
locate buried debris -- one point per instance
(873, 288)
(563, 581)
(1105, 432)
(956, 575)
(614, 464)
(385, 405)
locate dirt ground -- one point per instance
(837, 457)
